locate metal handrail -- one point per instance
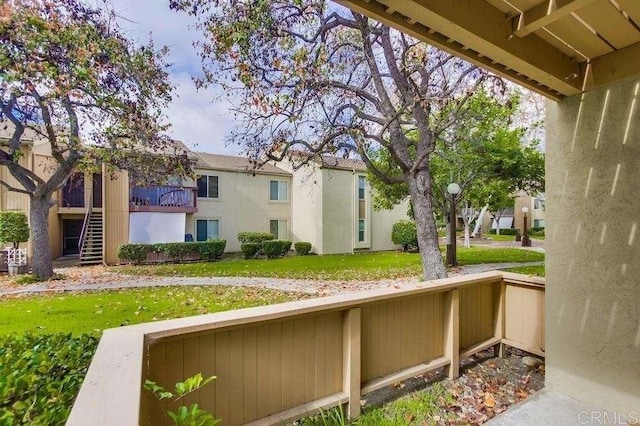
(85, 227)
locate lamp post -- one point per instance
(526, 242)
(453, 189)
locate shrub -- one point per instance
(404, 233)
(276, 248)
(535, 233)
(135, 253)
(212, 249)
(177, 251)
(254, 237)
(14, 228)
(302, 248)
(41, 376)
(250, 250)
(505, 231)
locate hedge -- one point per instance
(175, 252)
(302, 248)
(40, 376)
(250, 250)
(254, 237)
(276, 248)
(505, 231)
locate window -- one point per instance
(208, 187)
(538, 223)
(207, 229)
(278, 190)
(361, 230)
(361, 186)
(278, 228)
(538, 204)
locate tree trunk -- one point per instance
(41, 263)
(420, 191)
(479, 220)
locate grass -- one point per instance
(363, 266)
(91, 312)
(537, 270)
(418, 408)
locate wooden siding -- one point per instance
(278, 363)
(115, 213)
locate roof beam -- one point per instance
(612, 68)
(481, 33)
(545, 13)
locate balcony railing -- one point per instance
(282, 362)
(167, 198)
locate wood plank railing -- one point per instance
(282, 362)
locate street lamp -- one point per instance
(526, 242)
(453, 189)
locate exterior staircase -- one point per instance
(91, 240)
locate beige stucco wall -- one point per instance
(306, 209)
(243, 205)
(339, 214)
(115, 213)
(593, 247)
(381, 224)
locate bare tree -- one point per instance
(315, 78)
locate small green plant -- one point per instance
(302, 248)
(14, 228)
(506, 231)
(405, 234)
(276, 248)
(332, 417)
(192, 415)
(250, 250)
(254, 237)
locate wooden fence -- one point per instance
(282, 362)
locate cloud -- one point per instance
(199, 118)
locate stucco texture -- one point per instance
(593, 247)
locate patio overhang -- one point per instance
(557, 48)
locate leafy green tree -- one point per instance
(70, 77)
(314, 78)
(14, 228)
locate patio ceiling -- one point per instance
(556, 47)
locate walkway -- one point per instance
(94, 279)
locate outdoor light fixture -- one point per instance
(453, 189)
(526, 242)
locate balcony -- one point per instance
(163, 199)
(282, 362)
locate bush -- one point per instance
(254, 237)
(276, 248)
(505, 231)
(404, 233)
(135, 253)
(250, 250)
(302, 248)
(212, 249)
(535, 233)
(40, 376)
(14, 228)
(177, 251)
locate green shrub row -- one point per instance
(303, 248)
(535, 233)
(255, 237)
(250, 250)
(176, 252)
(276, 248)
(40, 376)
(405, 234)
(505, 231)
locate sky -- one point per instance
(198, 119)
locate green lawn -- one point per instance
(364, 266)
(91, 312)
(528, 270)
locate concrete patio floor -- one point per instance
(550, 408)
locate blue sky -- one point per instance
(197, 118)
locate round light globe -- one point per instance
(453, 188)
(525, 210)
